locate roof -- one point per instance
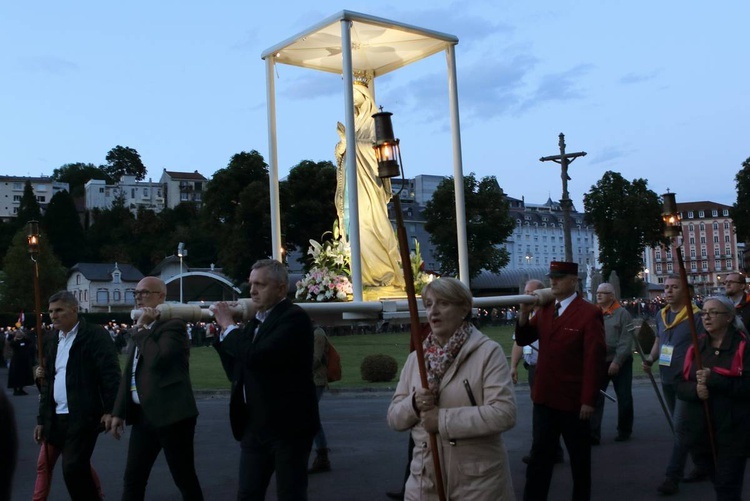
(102, 272)
(685, 206)
(378, 45)
(185, 175)
(513, 279)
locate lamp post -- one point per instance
(673, 229)
(528, 258)
(181, 252)
(388, 154)
(33, 243)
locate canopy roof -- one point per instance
(379, 45)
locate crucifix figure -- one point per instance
(564, 159)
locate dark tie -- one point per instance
(557, 310)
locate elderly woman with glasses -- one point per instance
(724, 384)
(469, 403)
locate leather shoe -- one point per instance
(668, 487)
(395, 495)
(621, 437)
(695, 476)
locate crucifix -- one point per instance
(564, 159)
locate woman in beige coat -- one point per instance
(469, 403)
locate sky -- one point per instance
(654, 90)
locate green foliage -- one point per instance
(627, 218)
(308, 196)
(124, 161)
(236, 202)
(378, 368)
(740, 211)
(77, 175)
(63, 228)
(17, 288)
(110, 234)
(488, 225)
(28, 209)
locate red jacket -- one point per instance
(570, 367)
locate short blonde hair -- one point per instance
(451, 290)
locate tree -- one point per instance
(741, 209)
(17, 290)
(124, 161)
(28, 209)
(111, 233)
(63, 227)
(236, 202)
(77, 175)
(307, 195)
(488, 225)
(627, 218)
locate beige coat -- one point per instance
(472, 453)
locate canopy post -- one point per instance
(273, 162)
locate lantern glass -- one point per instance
(670, 215)
(33, 237)
(386, 146)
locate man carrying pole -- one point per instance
(672, 341)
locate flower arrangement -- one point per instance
(328, 279)
(417, 269)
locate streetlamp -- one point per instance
(33, 243)
(182, 252)
(673, 229)
(388, 153)
(528, 258)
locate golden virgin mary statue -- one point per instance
(379, 247)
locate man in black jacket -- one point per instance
(273, 408)
(82, 374)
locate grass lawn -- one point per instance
(207, 374)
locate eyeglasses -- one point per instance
(713, 313)
(144, 293)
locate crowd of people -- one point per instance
(572, 348)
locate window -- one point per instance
(78, 279)
(726, 225)
(692, 240)
(16, 198)
(701, 214)
(692, 252)
(116, 295)
(693, 266)
(716, 226)
(690, 214)
(102, 296)
(729, 264)
(658, 253)
(728, 251)
(691, 227)
(18, 186)
(703, 252)
(704, 265)
(41, 199)
(726, 239)
(669, 267)
(703, 228)
(101, 190)
(716, 239)
(145, 192)
(184, 197)
(717, 252)
(130, 296)
(116, 277)
(703, 240)
(725, 212)
(714, 213)
(717, 264)
(658, 267)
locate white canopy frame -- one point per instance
(351, 42)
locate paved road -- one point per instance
(368, 458)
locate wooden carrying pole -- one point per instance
(416, 335)
(694, 336)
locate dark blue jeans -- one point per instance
(622, 382)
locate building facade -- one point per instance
(134, 194)
(179, 187)
(709, 249)
(104, 287)
(11, 192)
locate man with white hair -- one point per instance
(619, 364)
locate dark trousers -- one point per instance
(727, 476)
(146, 441)
(76, 445)
(259, 459)
(549, 424)
(622, 382)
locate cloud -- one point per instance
(608, 154)
(634, 78)
(311, 85)
(47, 64)
(557, 87)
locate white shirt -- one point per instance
(565, 303)
(136, 357)
(64, 342)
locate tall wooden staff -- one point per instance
(673, 229)
(389, 165)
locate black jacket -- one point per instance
(276, 372)
(93, 375)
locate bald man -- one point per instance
(619, 364)
(156, 398)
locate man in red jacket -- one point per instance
(569, 374)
